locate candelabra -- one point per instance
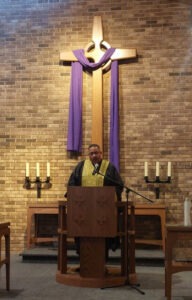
(37, 184)
(157, 179)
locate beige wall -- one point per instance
(155, 97)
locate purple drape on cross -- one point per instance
(74, 142)
(114, 116)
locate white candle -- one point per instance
(37, 170)
(169, 169)
(27, 170)
(48, 169)
(146, 169)
(157, 169)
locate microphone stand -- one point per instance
(127, 190)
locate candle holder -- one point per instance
(158, 182)
(37, 184)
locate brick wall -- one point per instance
(155, 97)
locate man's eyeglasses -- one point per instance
(94, 153)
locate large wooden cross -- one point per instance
(94, 51)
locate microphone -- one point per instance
(96, 167)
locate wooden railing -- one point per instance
(5, 258)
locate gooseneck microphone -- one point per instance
(96, 169)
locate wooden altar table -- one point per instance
(38, 209)
(152, 210)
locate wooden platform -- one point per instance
(48, 254)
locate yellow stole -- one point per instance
(93, 180)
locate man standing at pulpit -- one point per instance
(86, 173)
(96, 171)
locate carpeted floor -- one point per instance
(35, 280)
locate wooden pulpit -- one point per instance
(92, 217)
